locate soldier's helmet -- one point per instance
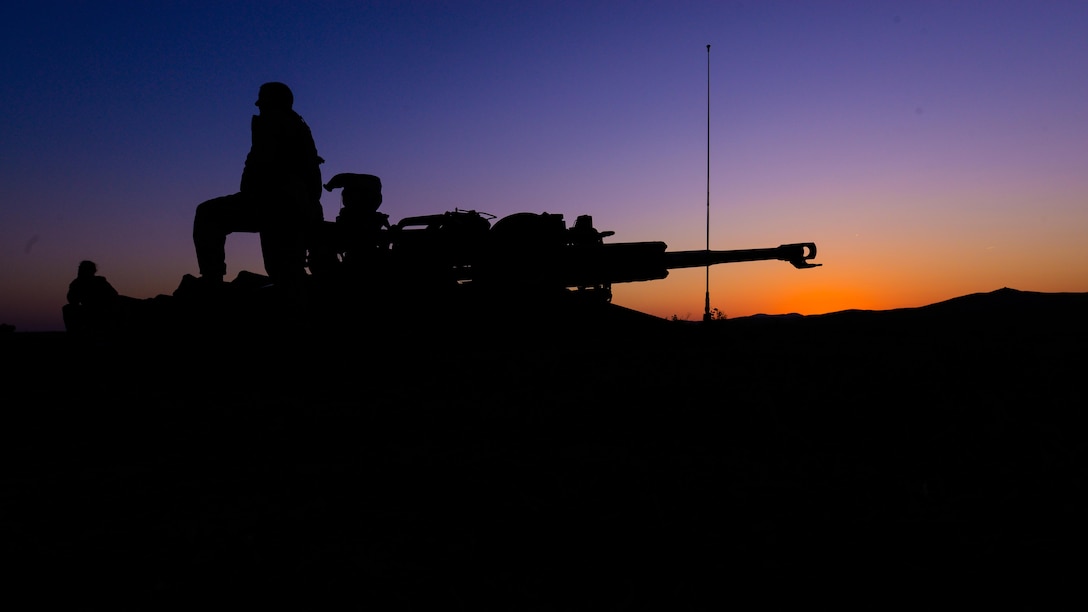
(275, 96)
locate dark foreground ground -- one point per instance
(611, 465)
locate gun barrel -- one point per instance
(626, 262)
(798, 254)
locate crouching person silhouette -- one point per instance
(279, 197)
(92, 302)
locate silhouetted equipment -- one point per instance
(530, 252)
(463, 264)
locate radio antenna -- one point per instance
(706, 310)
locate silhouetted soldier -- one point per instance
(92, 301)
(280, 195)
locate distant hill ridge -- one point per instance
(1004, 300)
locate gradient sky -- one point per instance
(929, 149)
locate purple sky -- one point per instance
(930, 149)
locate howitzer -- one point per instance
(527, 252)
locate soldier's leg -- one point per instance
(215, 219)
(286, 219)
(283, 246)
